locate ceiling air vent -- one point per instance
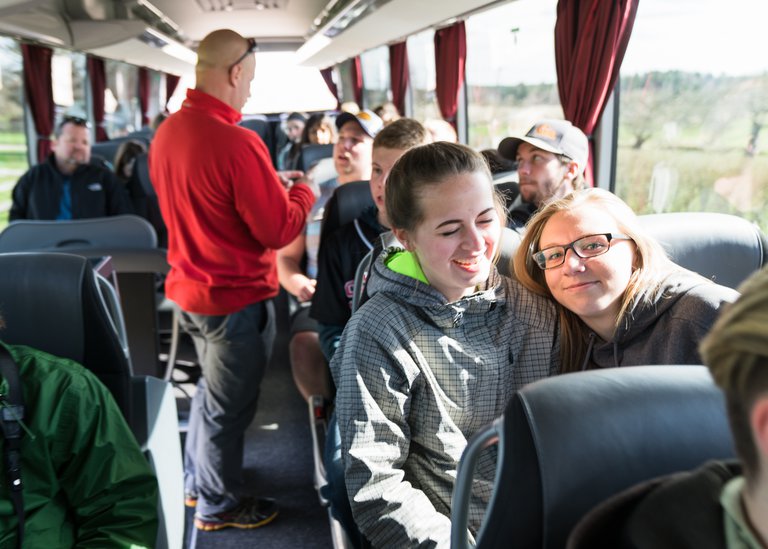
(212, 6)
(96, 10)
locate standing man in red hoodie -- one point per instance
(227, 211)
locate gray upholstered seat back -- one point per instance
(722, 247)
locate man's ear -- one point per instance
(758, 419)
(573, 170)
(402, 237)
(235, 74)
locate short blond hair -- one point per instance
(736, 352)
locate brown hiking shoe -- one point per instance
(248, 513)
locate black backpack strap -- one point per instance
(11, 415)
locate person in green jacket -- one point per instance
(86, 482)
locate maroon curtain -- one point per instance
(591, 37)
(357, 80)
(450, 60)
(39, 94)
(171, 83)
(98, 77)
(327, 75)
(144, 95)
(398, 74)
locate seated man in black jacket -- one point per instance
(66, 186)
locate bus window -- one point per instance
(122, 113)
(13, 144)
(511, 78)
(691, 133)
(346, 81)
(375, 65)
(282, 86)
(421, 65)
(68, 80)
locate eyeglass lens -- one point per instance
(588, 246)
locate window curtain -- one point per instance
(398, 74)
(357, 80)
(98, 77)
(450, 61)
(39, 93)
(327, 75)
(144, 95)
(171, 83)
(591, 37)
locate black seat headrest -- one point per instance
(54, 302)
(348, 202)
(119, 231)
(310, 154)
(571, 441)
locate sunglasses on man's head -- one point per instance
(252, 47)
(76, 120)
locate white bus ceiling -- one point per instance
(117, 29)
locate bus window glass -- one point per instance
(68, 81)
(511, 77)
(156, 94)
(280, 85)
(122, 113)
(13, 144)
(421, 65)
(345, 82)
(692, 119)
(187, 81)
(375, 65)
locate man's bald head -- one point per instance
(224, 67)
(220, 49)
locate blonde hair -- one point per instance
(736, 351)
(651, 266)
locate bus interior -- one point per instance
(676, 126)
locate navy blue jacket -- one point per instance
(95, 191)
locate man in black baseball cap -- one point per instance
(551, 159)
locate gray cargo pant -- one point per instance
(233, 351)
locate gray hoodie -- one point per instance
(416, 377)
(667, 331)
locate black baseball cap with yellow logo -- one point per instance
(555, 136)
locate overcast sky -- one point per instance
(516, 43)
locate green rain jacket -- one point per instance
(86, 482)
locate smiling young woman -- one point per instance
(436, 352)
(621, 300)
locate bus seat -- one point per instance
(131, 243)
(568, 442)
(260, 125)
(310, 154)
(57, 303)
(509, 189)
(145, 200)
(107, 150)
(125, 231)
(348, 202)
(722, 247)
(510, 241)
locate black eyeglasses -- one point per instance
(252, 47)
(584, 247)
(76, 120)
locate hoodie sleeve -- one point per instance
(373, 405)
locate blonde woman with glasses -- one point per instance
(621, 300)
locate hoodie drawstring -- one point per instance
(589, 351)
